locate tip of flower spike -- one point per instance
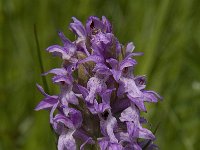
(105, 58)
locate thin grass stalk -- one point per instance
(44, 81)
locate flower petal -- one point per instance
(52, 112)
(107, 24)
(66, 42)
(127, 85)
(76, 117)
(67, 95)
(133, 145)
(140, 81)
(115, 146)
(113, 63)
(94, 58)
(66, 141)
(93, 24)
(78, 28)
(39, 87)
(101, 69)
(57, 71)
(127, 63)
(116, 74)
(138, 101)
(120, 105)
(103, 144)
(81, 134)
(129, 48)
(83, 91)
(70, 118)
(61, 79)
(151, 96)
(138, 131)
(47, 102)
(61, 119)
(57, 50)
(108, 125)
(105, 95)
(101, 107)
(95, 85)
(65, 52)
(130, 114)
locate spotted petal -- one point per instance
(66, 141)
(101, 69)
(127, 85)
(138, 101)
(139, 132)
(108, 124)
(95, 85)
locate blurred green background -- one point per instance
(167, 31)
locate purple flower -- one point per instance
(96, 85)
(100, 98)
(94, 25)
(66, 140)
(78, 28)
(108, 124)
(105, 44)
(67, 95)
(94, 106)
(70, 117)
(134, 129)
(66, 52)
(61, 76)
(105, 144)
(48, 101)
(118, 67)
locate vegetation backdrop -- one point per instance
(167, 31)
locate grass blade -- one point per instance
(44, 81)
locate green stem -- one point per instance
(44, 81)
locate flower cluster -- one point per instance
(100, 99)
